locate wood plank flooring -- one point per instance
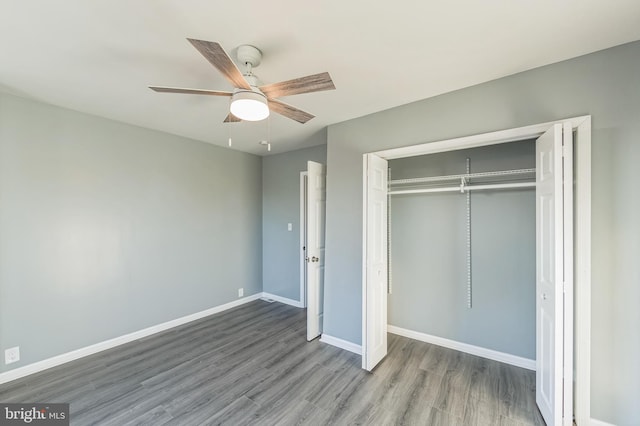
(252, 366)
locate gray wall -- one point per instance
(281, 205)
(428, 253)
(106, 228)
(604, 84)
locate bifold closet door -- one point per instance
(552, 251)
(374, 336)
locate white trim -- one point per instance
(582, 246)
(342, 344)
(281, 299)
(568, 242)
(582, 273)
(596, 422)
(484, 139)
(529, 364)
(303, 234)
(117, 341)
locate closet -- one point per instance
(462, 246)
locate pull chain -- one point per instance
(230, 125)
(269, 133)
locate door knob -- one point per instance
(314, 259)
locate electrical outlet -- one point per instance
(12, 355)
(240, 292)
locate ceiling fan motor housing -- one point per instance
(253, 81)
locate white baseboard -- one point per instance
(595, 422)
(117, 341)
(529, 364)
(284, 300)
(342, 344)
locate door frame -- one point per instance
(582, 236)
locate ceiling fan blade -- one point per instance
(310, 83)
(231, 119)
(161, 89)
(289, 111)
(215, 54)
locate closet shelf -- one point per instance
(464, 180)
(432, 179)
(463, 188)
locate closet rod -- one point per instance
(464, 188)
(466, 176)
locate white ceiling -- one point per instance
(99, 56)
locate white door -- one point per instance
(316, 202)
(551, 250)
(374, 334)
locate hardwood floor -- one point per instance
(252, 366)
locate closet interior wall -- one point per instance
(428, 253)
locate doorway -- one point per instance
(375, 260)
(462, 250)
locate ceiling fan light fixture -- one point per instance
(249, 105)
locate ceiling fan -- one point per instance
(248, 101)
